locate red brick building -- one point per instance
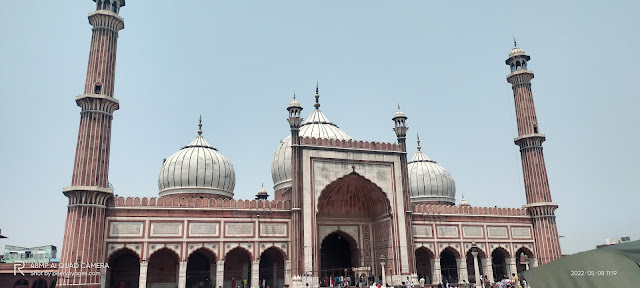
(341, 207)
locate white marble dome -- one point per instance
(429, 181)
(197, 169)
(516, 51)
(318, 126)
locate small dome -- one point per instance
(198, 170)
(463, 202)
(317, 126)
(399, 113)
(428, 181)
(294, 102)
(516, 51)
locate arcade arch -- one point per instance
(124, 267)
(237, 267)
(163, 268)
(499, 263)
(201, 268)
(272, 267)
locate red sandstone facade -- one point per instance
(348, 210)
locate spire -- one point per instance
(515, 44)
(200, 126)
(419, 147)
(317, 105)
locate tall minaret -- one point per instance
(529, 139)
(295, 122)
(90, 189)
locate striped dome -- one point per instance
(197, 169)
(428, 181)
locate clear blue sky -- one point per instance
(238, 63)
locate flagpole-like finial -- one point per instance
(419, 147)
(317, 105)
(200, 125)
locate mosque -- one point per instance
(341, 206)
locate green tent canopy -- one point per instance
(611, 266)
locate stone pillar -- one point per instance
(212, 274)
(103, 277)
(287, 272)
(533, 262)
(486, 266)
(436, 274)
(476, 270)
(220, 274)
(255, 273)
(182, 275)
(511, 262)
(384, 276)
(143, 274)
(462, 270)
(275, 276)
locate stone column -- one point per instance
(103, 277)
(287, 272)
(533, 262)
(476, 271)
(436, 274)
(143, 274)
(212, 274)
(220, 274)
(486, 266)
(255, 273)
(275, 276)
(462, 270)
(511, 262)
(182, 275)
(384, 277)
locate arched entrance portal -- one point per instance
(448, 265)
(272, 268)
(367, 209)
(523, 257)
(163, 269)
(423, 264)
(498, 263)
(237, 267)
(201, 269)
(337, 254)
(124, 267)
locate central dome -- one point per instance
(317, 126)
(197, 170)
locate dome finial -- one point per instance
(418, 142)
(200, 126)
(515, 44)
(317, 105)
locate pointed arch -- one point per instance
(353, 196)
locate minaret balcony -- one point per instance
(106, 19)
(529, 141)
(97, 103)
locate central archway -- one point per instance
(124, 267)
(366, 207)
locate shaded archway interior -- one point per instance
(162, 269)
(353, 196)
(499, 263)
(520, 265)
(423, 263)
(201, 268)
(448, 265)
(337, 253)
(272, 268)
(124, 267)
(237, 267)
